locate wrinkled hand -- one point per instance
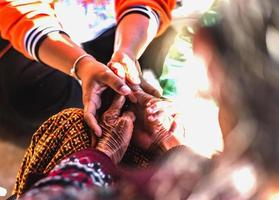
(96, 77)
(127, 67)
(117, 130)
(160, 120)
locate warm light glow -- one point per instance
(3, 192)
(274, 196)
(199, 111)
(244, 179)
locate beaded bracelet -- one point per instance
(73, 69)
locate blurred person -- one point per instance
(40, 39)
(243, 76)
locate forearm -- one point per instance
(134, 33)
(60, 52)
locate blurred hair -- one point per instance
(240, 39)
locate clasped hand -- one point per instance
(122, 74)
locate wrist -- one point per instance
(79, 67)
(126, 52)
(104, 150)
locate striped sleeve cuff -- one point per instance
(144, 10)
(35, 36)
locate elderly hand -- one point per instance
(117, 130)
(96, 77)
(160, 121)
(127, 68)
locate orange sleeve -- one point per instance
(162, 7)
(26, 19)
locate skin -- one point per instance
(60, 52)
(117, 130)
(157, 123)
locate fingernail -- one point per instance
(98, 132)
(125, 90)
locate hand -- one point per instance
(117, 130)
(160, 120)
(96, 77)
(127, 67)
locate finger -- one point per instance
(143, 98)
(148, 88)
(173, 127)
(132, 98)
(127, 122)
(132, 71)
(158, 116)
(116, 105)
(132, 75)
(93, 140)
(159, 105)
(92, 101)
(117, 68)
(134, 88)
(113, 81)
(128, 115)
(91, 121)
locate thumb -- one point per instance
(116, 105)
(117, 68)
(113, 81)
(132, 75)
(128, 116)
(128, 119)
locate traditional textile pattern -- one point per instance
(60, 136)
(81, 169)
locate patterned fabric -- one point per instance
(60, 136)
(78, 173)
(81, 169)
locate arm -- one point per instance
(25, 23)
(139, 22)
(33, 29)
(162, 8)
